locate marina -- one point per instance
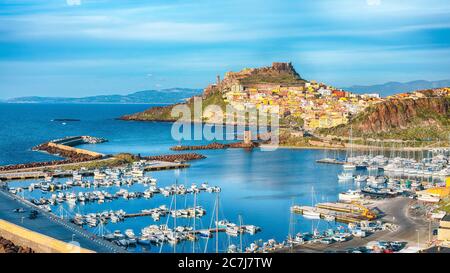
(126, 202)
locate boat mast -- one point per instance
(240, 232)
(175, 217)
(217, 222)
(195, 208)
(291, 227)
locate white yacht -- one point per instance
(349, 167)
(361, 178)
(311, 214)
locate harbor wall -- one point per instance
(37, 242)
(76, 150)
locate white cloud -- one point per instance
(373, 2)
(73, 2)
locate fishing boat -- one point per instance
(345, 176)
(251, 229)
(232, 249)
(372, 168)
(222, 223)
(137, 172)
(143, 241)
(205, 233)
(350, 196)
(118, 235)
(130, 234)
(232, 231)
(77, 177)
(361, 178)
(99, 175)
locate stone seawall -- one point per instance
(38, 242)
(75, 150)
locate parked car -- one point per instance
(33, 214)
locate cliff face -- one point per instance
(398, 114)
(425, 115)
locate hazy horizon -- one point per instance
(79, 48)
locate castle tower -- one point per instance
(247, 137)
(218, 84)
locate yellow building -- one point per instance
(444, 229)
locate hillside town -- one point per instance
(308, 105)
(318, 105)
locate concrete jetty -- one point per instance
(23, 175)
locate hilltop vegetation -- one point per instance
(163, 113)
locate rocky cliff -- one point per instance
(420, 115)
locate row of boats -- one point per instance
(100, 197)
(435, 166)
(160, 234)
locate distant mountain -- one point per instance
(391, 88)
(172, 95)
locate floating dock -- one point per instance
(330, 161)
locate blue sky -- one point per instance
(82, 47)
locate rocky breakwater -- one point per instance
(63, 148)
(6, 246)
(69, 154)
(216, 146)
(40, 164)
(175, 157)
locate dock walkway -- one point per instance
(22, 175)
(51, 225)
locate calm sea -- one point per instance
(259, 186)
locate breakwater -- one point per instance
(216, 146)
(37, 241)
(175, 157)
(7, 246)
(42, 164)
(65, 147)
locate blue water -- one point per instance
(261, 186)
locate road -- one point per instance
(413, 231)
(50, 225)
